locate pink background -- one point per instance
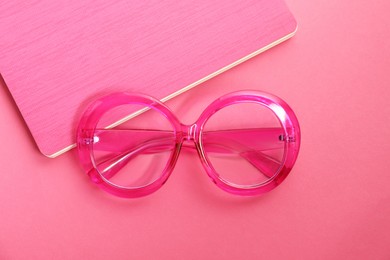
(334, 205)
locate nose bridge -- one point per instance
(188, 132)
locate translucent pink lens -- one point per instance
(244, 144)
(135, 153)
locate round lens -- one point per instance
(135, 152)
(244, 144)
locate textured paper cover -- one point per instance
(56, 56)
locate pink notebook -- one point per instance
(57, 56)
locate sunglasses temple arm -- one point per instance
(114, 164)
(251, 143)
(255, 157)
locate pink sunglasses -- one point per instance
(248, 141)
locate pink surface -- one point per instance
(335, 204)
(64, 53)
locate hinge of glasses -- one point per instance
(288, 139)
(88, 141)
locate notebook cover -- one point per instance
(56, 56)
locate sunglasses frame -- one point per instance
(91, 117)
